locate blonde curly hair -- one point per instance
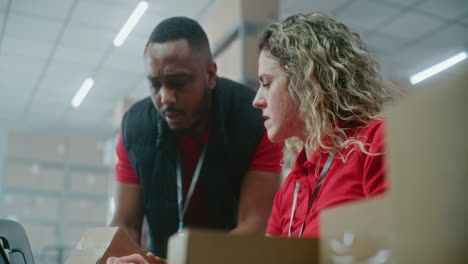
(332, 78)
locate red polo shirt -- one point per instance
(360, 177)
(267, 157)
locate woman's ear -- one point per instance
(212, 71)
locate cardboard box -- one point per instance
(428, 157)
(424, 218)
(357, 231)
(98, 244)
(212, 247)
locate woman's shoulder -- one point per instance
(372, 131)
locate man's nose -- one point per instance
(168, 96)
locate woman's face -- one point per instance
(281, 115)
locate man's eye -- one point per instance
(155, 86)
(177, 85)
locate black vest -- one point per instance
(236, 131)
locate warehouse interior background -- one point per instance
(57, 160)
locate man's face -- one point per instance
(180, 83)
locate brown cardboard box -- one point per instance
(424, 218)
(212, 247)
(428, 156)
(357, 231)
(98, 244)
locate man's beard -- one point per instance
(201, 112)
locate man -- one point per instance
(195, 153)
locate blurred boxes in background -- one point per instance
(56, 186)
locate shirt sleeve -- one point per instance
(375, 166)
(124, 171)
(267, 156)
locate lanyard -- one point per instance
(182, 207)
(323, 173)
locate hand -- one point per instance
(136, 259)
(156, 260)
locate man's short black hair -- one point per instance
(175, 28)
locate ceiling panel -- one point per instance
(9, 118)
(49, 113)
(12, 105)
(92, 13)
(123, 62)
(62, 81)
(22, 46)
(56, 9)
(465, 20)
(85, 57)
(15, 101)
(16, 83)
(149, 20)
(451, 37)
(122, 4)
(14, 64)
(410, 26)
(418, 58)
(111, 85)
(448, 9)
(79, 36)
(364, 15)
(3, 4)
(402, 3)
(133, 46)
(187, 8)
(33, 27)
(290, 7)
(381, 43)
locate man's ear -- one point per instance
(212, 71)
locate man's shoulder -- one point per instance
(139, 119)
(233, 88)
(144, 104)
(234, 100)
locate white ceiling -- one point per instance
(49, 47)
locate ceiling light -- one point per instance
(82, 92)
(130, 24)
(438, 68)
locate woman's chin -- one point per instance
(275, 137)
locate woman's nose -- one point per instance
(259, 100)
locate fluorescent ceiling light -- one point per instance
(438, 68)
(82, 92)
(130, 24)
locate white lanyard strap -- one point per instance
(323, 173)
(293, 210)
(182, 208)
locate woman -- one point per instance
(321, 92)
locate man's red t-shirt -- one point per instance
(360, 177)
(267, 157)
